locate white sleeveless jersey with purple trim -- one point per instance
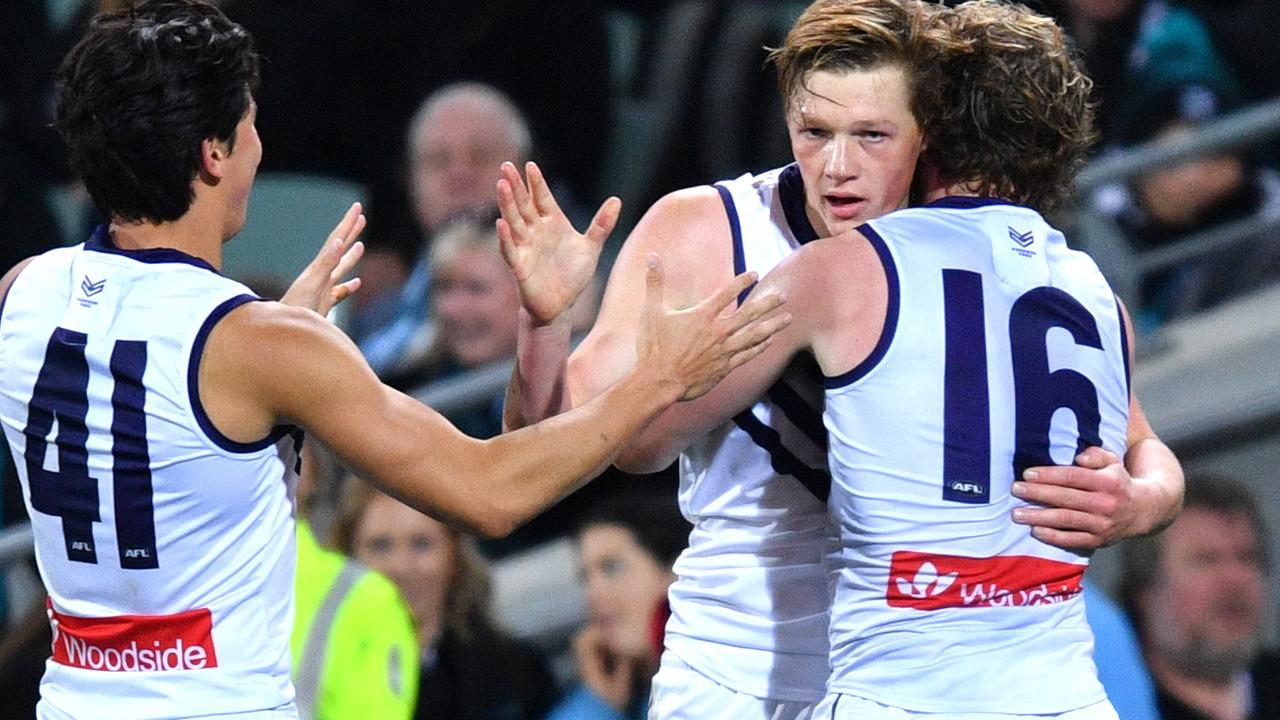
(749, 608)
(1002, 349)
(167, 549)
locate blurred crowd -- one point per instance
(417, 103)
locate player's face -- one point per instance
(416, 552)
(240, 170)
(625, 585)
(477, 304)
(856, 142)
(1207, 608)
(455, 162)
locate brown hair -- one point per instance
(467, 600)
(1016, 122)
(1142, 557)
(843, 35)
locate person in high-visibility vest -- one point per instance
(355, 652)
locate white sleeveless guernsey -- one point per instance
(1002, 349)
(167, 549)
(750, 606)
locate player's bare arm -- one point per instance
(690, 231)
(552, 264)
(1103, 499)
(304, 370)
(836, 293)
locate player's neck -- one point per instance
(198, 233)
(930, 186)
(941, 190)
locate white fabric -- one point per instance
(849, 707)
(976, 615)
(749, 608)
(681, 693)
(223, 518)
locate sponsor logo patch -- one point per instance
(925, 581)
(135, 643)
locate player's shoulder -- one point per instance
(269, 338)
(841, 258)
(9, 277)
(690, 216)
(269, 321)
(690, 231)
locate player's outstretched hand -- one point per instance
(552, 262)
(320, 286)
(1087, 505)
(697, 347)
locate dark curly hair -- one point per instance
(652, 517)
(1017, 121)
(138, 94)
(842, 35)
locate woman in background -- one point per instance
(626, 547)
(470, 669)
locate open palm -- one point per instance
(552, 262)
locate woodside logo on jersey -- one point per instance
(135, 643)
(927, 581)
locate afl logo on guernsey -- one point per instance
(135, 643)
(924, 581)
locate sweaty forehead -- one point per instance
(881, 92)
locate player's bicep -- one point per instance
(315, 377)
(689, 231)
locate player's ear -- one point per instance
(213, 153)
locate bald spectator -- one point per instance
(457, 140)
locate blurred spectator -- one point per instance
(1178, 83)
(1121, 667)
(1197, 593)
(475, 305)
(469, 668)
(30, 153)
(24, 650)
(474, 302)
(457, 140)
(1244, 31)
(1105, 32)
(337, 98)
(627, 545)
(353, 643)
